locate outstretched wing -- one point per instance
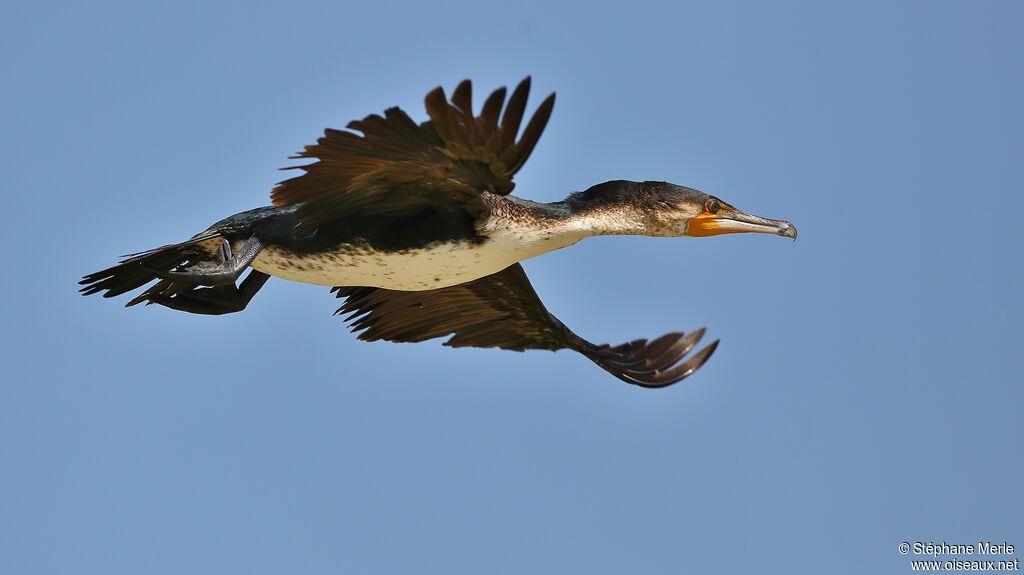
(399, 167)
(502, 310)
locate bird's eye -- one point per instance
(712, 206)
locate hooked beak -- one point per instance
(733, 221)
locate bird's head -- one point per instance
(666, 209)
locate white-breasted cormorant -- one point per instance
(414, 225)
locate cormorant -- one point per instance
(414, 226)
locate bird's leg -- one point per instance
(223, 270)
(223, 252)
(217, 300)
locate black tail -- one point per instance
(134, 271)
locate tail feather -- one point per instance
(163, 287)
(132, 273)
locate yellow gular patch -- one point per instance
(705, 224)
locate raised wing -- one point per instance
(502, 310)
(396, 166)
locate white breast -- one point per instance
(438, 265)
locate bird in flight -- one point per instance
(415, 227)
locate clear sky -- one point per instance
(867, 390)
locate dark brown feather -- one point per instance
(131, 272)
(514, 113)
(502, 310)
(394, 166)
(437, 108)
(487, 122)
(521, 151)
(462, 98)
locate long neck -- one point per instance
(602, 220)
(544, 227)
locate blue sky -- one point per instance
(866, 391)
